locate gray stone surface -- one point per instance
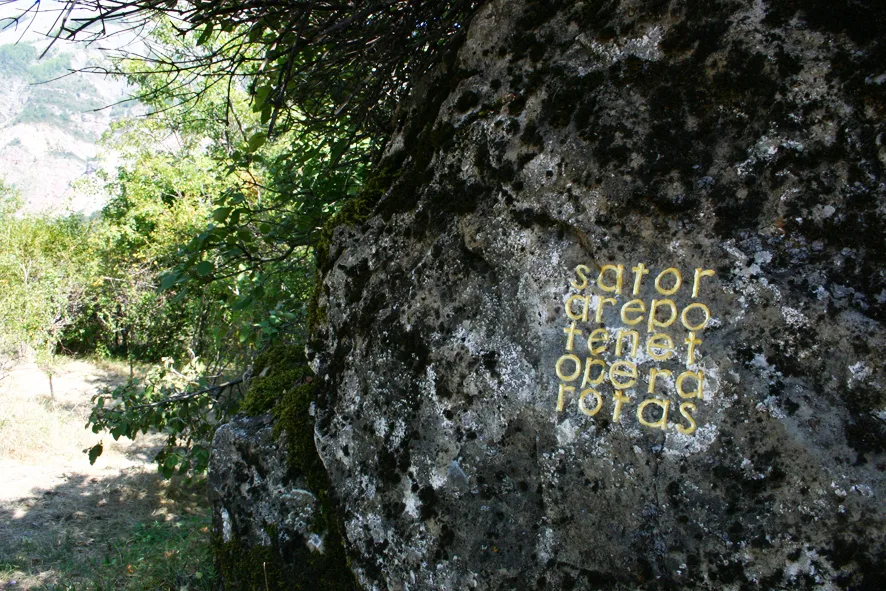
(744, 138)
(256, 500)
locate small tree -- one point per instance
(43, 267)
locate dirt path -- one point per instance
(58, 514)
(43, 439)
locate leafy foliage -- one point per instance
(44, 265)
(263, 120)
(317, 64)
(160, 199)
(183, 405)
(206, 255)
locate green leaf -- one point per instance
(207, 33)
(261, 95)
(221, 214)
(94, 452)
(256, 31)
(257, 141)
(266, 114)
(243, 303)
(168, 280)
(235, 217)
(204, 268)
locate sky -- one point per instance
(39, 22)
(39, 17)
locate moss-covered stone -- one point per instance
(284, 387)
(679, 134)
(354, 211)
(278, 567)
(276, 371)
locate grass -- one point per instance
(66, 525)
(151, 555)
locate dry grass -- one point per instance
(133, 531)
(34, 425)
(67, 525)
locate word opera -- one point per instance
(610, 322)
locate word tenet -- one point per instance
(618, 287)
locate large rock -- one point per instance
(740, 144)
(260, 508)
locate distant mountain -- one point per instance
(51, 118)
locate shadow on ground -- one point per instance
(71, 533)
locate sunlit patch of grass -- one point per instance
(119, 526)
(164, 554)
(39, 425)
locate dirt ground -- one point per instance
(59, 514)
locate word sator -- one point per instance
(611, 351)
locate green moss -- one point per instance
(242, 567)
(284, 386)
(276, 371)
(316, 312)
(273, 568)
(354, 211)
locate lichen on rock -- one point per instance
(744, 139)
(275, 522)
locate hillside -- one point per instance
(51, 119)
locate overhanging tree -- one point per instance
(324, 81)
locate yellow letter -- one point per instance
(698, 377)
(584, 314)
(635, 341)
(598, 335)
(653, 373)
(684, 317)
(580, 273)
(692, 425)
(653, 314)
(632, 307)
(699, 273)
(603, 301)
(588, 364)
(571, 377)
(678, 281)
(619, 400)
(690, 354)
(561, 396)
(663, 343)
(639, 271)
(661, 423)
(570, 332)
(581, 402)
(619, 278)
(617, 371)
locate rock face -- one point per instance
(485, 416)
(256, 500)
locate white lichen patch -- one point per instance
(227, 532)
(793, 316)
(678, 444)
(858, 373)
(646, 47)
(566, 433)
